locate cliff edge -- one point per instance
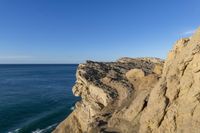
(141, 95)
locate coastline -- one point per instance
(141, 95)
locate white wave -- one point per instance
(72, 108)
(15, 131)
(45, 129)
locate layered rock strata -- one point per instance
(141, 95)
(109, 92)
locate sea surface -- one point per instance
(35, 98)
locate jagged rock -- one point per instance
(109, 92)
(139, 95)
(173, 106)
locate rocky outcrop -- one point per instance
(109, 92)
(173, 105)
(139, 95)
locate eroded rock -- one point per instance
(139, 95)
(109, 91)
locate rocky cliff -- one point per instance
(142, 95)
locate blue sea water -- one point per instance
(35, 98)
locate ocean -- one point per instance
(35, 98)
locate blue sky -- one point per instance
(72, 31)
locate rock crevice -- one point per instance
(141, 95)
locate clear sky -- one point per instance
(72, 31)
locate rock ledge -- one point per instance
(141, 95)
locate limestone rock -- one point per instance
(109, 91)
(173, 106)
(139, 95)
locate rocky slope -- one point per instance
(142, 95)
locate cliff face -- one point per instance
(173, 104)
(139, 95)
(113, 95)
